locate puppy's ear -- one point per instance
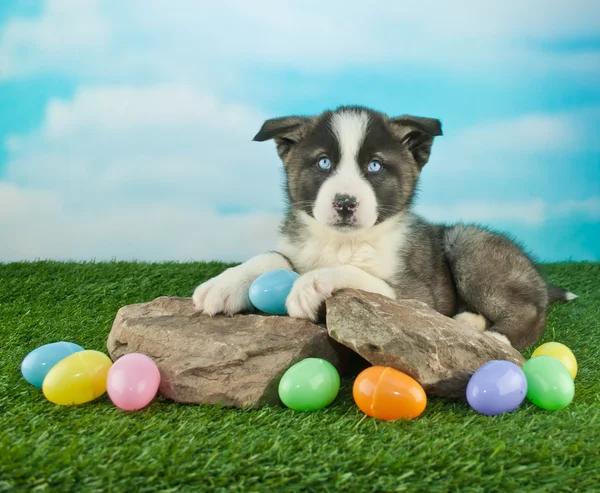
(417, 133)
(286, 131)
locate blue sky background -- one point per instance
(125, 129)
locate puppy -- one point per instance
(350, 182)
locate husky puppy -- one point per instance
(350, 178)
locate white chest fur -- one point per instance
(375, 250)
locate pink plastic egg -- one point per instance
(132, 381)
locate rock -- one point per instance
(437, 351)
(232, 361)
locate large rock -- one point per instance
(438, 352)
(233, 361)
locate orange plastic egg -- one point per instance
(388, 394)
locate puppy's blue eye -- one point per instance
(324, 163)
(374, 166)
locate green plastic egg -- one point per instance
(310, 384)
(549, 383)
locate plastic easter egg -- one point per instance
(388, 394)
(269, 291)
(132, 381)
(549, 383)
(310, 384)
(497, 387)
(36, 365)
(78, 378)
(561, 353)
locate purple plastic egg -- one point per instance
(497, 387)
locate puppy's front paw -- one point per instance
(308, 294)
(226, 293)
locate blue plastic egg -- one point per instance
(39, 362)
(269, 291)
(498, 386)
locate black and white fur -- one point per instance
(351, 176)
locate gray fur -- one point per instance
(497, 279)
(452, 268)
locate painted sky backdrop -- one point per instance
(126, 127)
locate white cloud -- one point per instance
(128, 173)
(190, 39)
(531, 132)
(67, 30)
(515, 147)
(172, 143)
(27, 202)
(532, 212)
(39, 225)
(167, 106)
(589, 208)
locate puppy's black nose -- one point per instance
(344, 204)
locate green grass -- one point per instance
(172, 447)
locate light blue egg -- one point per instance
(40, 361)
(269, 291)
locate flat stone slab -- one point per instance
(231, 361)
(437, 351)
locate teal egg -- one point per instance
(40, 361)
(269, 291)
(310, 384)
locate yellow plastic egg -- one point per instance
(79, 378)
(561, 353)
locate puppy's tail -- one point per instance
(559, 295)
